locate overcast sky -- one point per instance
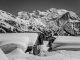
(14, 6)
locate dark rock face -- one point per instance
(8, 48)
(29, 49)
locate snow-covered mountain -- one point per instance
(57, 21)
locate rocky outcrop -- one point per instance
(53, 21)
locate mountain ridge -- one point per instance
(54, 21)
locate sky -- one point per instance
(15, 6)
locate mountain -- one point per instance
(51, 22)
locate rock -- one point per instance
(23, 15)
(8, 48)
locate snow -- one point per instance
(14, 38)
(55, 56)
(67, 39)
(3, 56)
(18, 54)
(15, 53)
(61, 11)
